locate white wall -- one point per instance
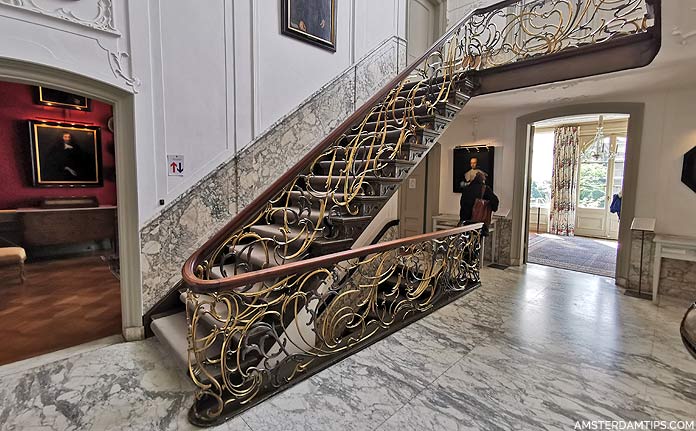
(208, 77)
(668, 132)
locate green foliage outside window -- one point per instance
(593, 185)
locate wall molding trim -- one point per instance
(103, 20)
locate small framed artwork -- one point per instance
(468, 162)
(61, 99)
(313, 21)
(65, 155)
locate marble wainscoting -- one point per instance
(168, 239)
(677, 277)
(503, 238)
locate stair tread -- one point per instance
(256, 256)
(367, 177)
(363, 161)
(172, 331)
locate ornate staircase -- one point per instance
(279, 294)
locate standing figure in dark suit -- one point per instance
(473, 192)
(66, 161)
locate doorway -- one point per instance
(425, 24)
(576, 187)
(126, 237)
(419, 196)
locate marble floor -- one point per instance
(534, 348)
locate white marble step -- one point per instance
(172, 331)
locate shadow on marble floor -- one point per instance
(534, 348)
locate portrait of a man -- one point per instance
(470, 161)
(310, 20)
(65, 155)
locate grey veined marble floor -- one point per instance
(534, 348)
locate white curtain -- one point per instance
(564, 180)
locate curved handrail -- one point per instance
(327, 260)
(248, 213)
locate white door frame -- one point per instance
(520, 200)
(126, 178)
(440, 25)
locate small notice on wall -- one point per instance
(175, 165)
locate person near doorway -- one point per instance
(475, 190)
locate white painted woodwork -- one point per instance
(208, 77)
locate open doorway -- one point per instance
(58, 221)
(576, 188)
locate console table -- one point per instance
(38, 227)
(671, 247)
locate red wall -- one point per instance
(16, 107)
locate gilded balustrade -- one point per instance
(270, 334)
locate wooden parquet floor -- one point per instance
(63, 303)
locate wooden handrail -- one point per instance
(247, 214)
(328, 260)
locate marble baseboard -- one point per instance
(172, 236)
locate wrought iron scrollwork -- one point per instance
(268, 334)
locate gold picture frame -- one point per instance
(65, 154)
(312, 21)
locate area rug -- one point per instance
(589, 255)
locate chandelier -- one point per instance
(599, 148)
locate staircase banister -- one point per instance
(188, 271)
(304, 266)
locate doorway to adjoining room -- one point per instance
(576, 185)
(60, 269)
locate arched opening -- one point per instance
(119, 146)
(521, 211)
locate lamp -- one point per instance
(599, 149)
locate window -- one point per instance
(542, 169)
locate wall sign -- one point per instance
(175, 165)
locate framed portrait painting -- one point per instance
(61, 99)
(469, 161)
(313, 21)
(65, 155)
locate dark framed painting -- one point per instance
(468, 161)
(65, 155)
(313, 21)
(61, 99)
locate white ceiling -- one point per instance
(579, 119)
(674, 67)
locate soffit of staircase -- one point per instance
(654, 77)
(672, 68)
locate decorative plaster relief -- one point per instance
(681, 33)
(103, 19)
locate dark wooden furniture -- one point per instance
(38, 227)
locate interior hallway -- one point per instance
(534, 348)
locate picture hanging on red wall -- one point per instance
(61, 99)
(65, 155)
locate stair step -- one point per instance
(254, 256)
(458, 100)
(383, 167)
(422, 137)
(291, 236)
(408, 151)
(444, 109)
(370, 185)
(433, 122)
(172, 331)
